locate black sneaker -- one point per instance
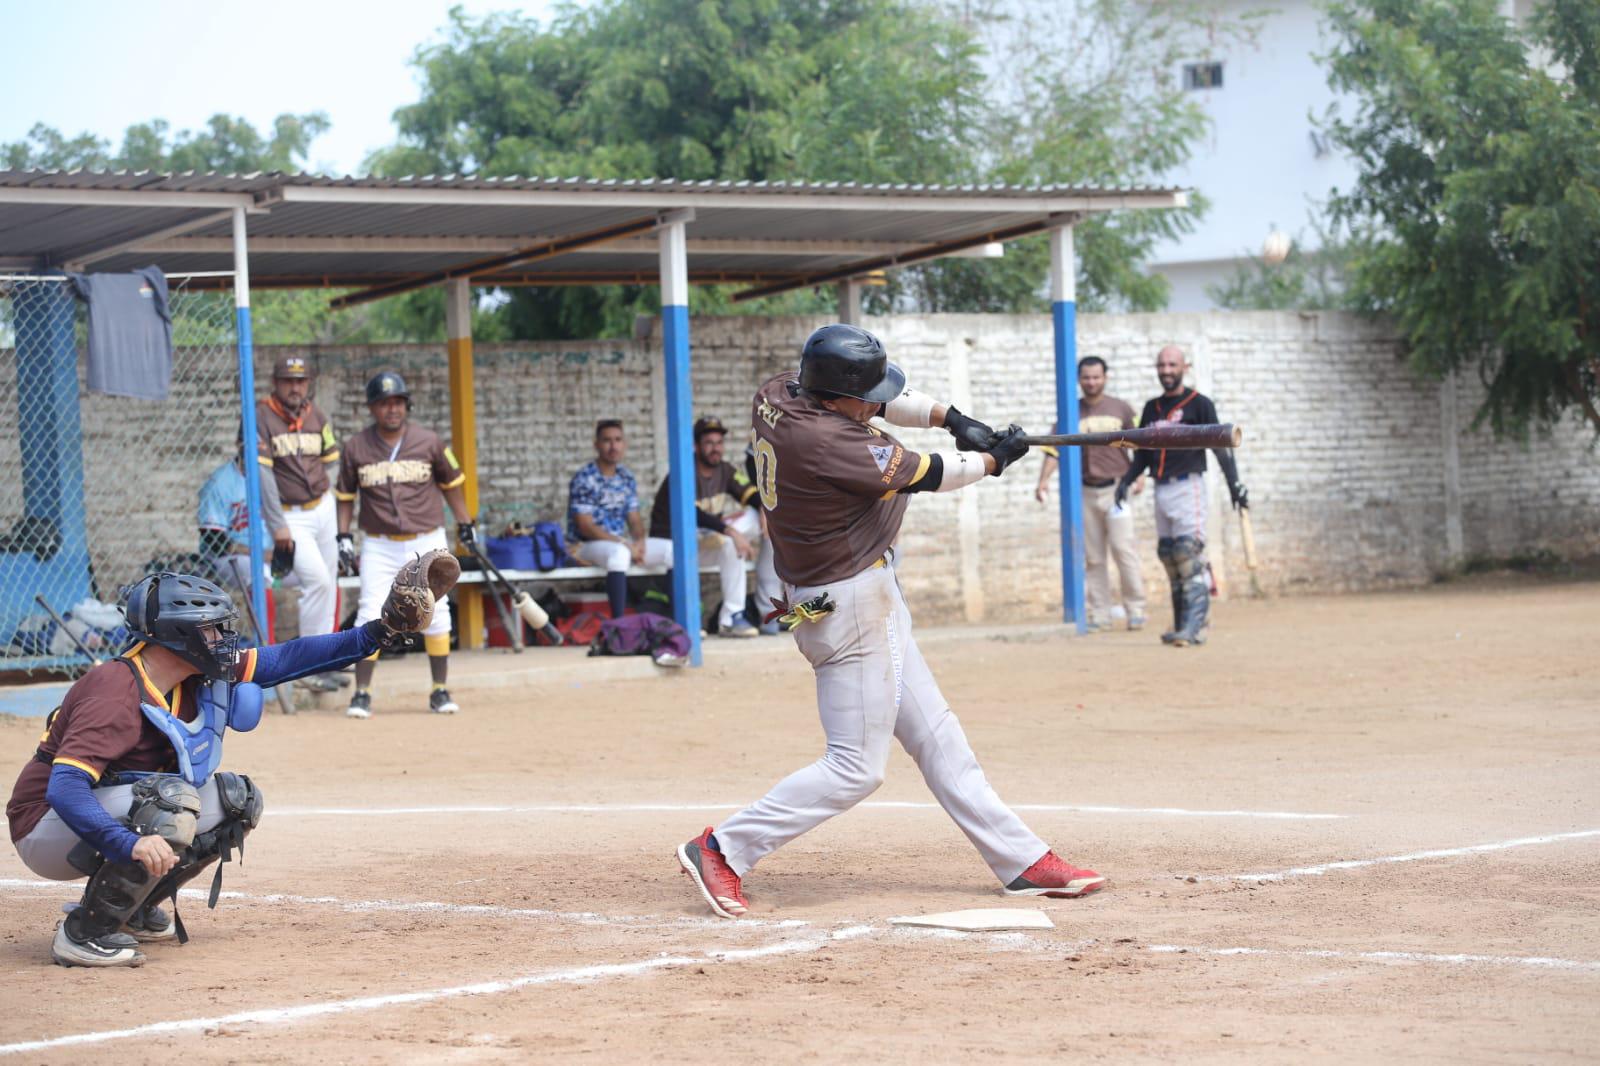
(112, 949)
(360, 705)
(441, 703)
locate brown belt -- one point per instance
(311, 505)
(1099, 482)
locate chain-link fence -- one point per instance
(99, 488)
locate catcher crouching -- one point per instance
(125, 787)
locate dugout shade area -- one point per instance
(384, 237)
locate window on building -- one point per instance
(1202, 75)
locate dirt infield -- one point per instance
(1347, 827)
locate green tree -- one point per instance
(1479, 168)
(1316, 280)
(226, 144)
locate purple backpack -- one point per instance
(643, 634)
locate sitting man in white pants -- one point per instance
(604, 526)
(726, 518)
(402, 475)
(299, 451)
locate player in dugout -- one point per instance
(125, 785)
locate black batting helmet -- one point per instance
(387, 384)
(849, 361)
(169, 610)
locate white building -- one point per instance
(1264, 162)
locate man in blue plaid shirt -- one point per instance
(603, 520)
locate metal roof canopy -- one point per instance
(311, 232)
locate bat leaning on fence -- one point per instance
(1171, 438)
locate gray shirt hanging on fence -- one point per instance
(130, 333)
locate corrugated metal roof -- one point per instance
(319, 230)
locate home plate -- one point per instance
(980, 921)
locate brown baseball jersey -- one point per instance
(832, 487)
(398, 485)
(718, 493)
(99, 728)
(1106, 415)
(297, 449)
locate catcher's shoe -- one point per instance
(712, 875)
(360, 705)
(112, 949)
(1051, 876)
(151, 923)
(441, 703)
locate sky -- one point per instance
(100, 66)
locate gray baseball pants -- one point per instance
(873, 684)
(44, 850)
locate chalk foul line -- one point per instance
(303, 1012)
(679, 808)
(1537, 962)
(1413, 856)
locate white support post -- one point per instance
(849, 292)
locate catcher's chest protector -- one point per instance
(198, 743)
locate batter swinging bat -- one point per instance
(1171, 438)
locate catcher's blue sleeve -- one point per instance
(277, 663)
(71, 795)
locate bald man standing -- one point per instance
(1180, 497)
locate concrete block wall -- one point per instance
(1361, 475)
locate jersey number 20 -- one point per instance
(767, 473)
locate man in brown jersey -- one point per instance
(403, 475)
(297, 444)
(726, 520)
(835, 489)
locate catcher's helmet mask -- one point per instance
(383, 386)
(848, 361)
(170, 611)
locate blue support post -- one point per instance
(680, 423)
(1064, 319)
(247, 420)
(52, 558)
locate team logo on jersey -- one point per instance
(881, 454)
(769, 414)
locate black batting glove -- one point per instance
(466, 534)
(1008, 448)
(970, 434)
(1241, 499)
(282, 559)
(1120, 497)
(348, 561)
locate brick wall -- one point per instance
(1356, 479)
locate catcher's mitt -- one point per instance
(419, 583)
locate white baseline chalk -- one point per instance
(1414, 856)
(676, 808)
(476, 910)
(1532, 961)
(288, 1015)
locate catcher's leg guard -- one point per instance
(1190, 555)
(163, 806)
(242, 805)
(1169, 561)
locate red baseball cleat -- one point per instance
(1051, 876)
(712, 875)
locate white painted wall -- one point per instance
(1258, 166)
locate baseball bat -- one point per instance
(1170, 438)
(1247, 535)
(524, 603)
(61, 623)
(513, 628)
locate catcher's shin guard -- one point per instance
(1169, 562)
(1194, 588)
(242, 805)
(163, 806)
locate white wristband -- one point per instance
(911, 408)
(960, 470)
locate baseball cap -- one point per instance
(709, 424)
(291, 366)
